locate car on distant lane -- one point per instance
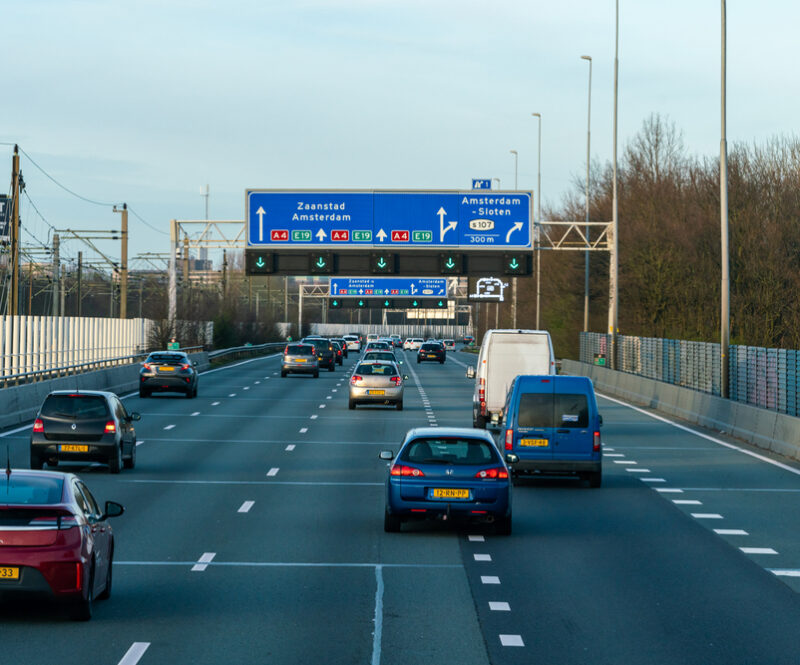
(378, 346)
(343, 343)
(300, 358)
(377, 382)
(382, 355)
(168, 371)
(325, 352)
(55, 539)
(431, 351)
(338, 349)
(449, 344)
(353, 342)
(447, 473)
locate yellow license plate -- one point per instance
(534, 443)
(9, 573)
(376, 392)
(300, 360)
(442, 493)
(166, 369)
(73, 448)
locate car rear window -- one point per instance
(456, 450)
(171, 358)
(376, 370)
(431, 347)
(75, 406)
(299, 350)
(547, 410)
(380, 355)
(29, 490)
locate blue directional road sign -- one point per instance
(418, 287)
(481, 183)
(388, 219)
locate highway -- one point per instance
(253, 533)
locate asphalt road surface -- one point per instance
(253, 533)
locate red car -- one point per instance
(54, 539)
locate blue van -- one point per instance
(552, 426)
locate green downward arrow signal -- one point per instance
(260, 263)
(513, 265)
(385, 303)
(360, 303)
(450, 263)
(441, 304)
(415, 304)
(381, 263)
(320, 262)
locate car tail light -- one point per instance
(38, 425)
(509, 439)
(355, 379)
(403, 470)
(338, 352)
(286, 351)
(313, 350)
(186, 366)
(147, 366)
(492, 474)
(396, 380)
(482, 395)
(596, 446)
(111, 428)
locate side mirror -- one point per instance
(113, 509)
(387, 455)
(405, 377)
(511, 458)
(470, 372)
(135, 416)
(194, 363)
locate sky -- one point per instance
(148, 101)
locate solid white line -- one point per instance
(378, 620)
(668, 490)
(133, 654)
(214, 403)
(476, 539)
(731, 532)
(169, 426)
(482, 557)
(499, 606)
(785, 467)
(196, 413)
(511, 641)
(687, 502)
(203, 562)
(290, 447)
(758, 550)
(18, 429)
(784, 572)
(490, 579)
(273, 472)
(707, 516)
(653, 480)
(245, 507)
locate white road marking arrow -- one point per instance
(381, 235)
(517, 227)
(442, 228)
(261, 212)
(321, 235)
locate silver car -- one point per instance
(382, 355)
(377, 382)
(300, 359)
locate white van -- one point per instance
(504, 355)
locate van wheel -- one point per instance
(595, 479)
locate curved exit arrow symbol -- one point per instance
(261, 212)
(442, 228)
(517, 227)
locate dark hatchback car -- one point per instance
(55, 540)
(431, 351)
(338, 349)
(86, 426)
(326, 355)
(168, 371)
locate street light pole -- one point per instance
(537, 225)
(588, 162)
(725, 314)
(613, 308)
(514, 279)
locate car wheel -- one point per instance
(502, 526)
(595, 479)
(82, 609)
(130, 462)
(283, 374)
(332, 366)
(480, 422)
(144, 393)
(189, 394)
(316, 374)
(418, 361)
(115, 461)
(391, 523)
(194, 392)
(53, 461)
(105, 594)
(441, 362)
(36, 462)
(351, 405)
(399, 405)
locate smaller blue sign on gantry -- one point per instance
(481, 183)
(417, 287)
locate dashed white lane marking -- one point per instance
(638, 470)
(624, 461)
(273, 472)
(613, 455)
(687, 502)
(196, 413)
(668, 490)
(498, 606)
(784, 572)
(482, 557)
(232, 395)
(258, 383)
(653, 480)
(245, 507)
(511, 641)
(611, 450)
(321, 406)
(290, 447)
(214, 403)
(303, 430)
(139, 443)
(476, 539)
(314, 417)
(328, 397)
(246, 388)
(333, 390)
(203, 561)
(707, 516)
(169, 426)
(134, 654)
(758, 550)
(266, 377)
(490, 579)
(731, 532)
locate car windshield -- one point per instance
(30, 490)
(376, 370)
(300, 350)
(75, 406)
(547, 410)
(171, 358)
(455, 450)
(380, 355)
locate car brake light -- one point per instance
(111, 428)
(186, 366)
(355, 379)
(38, 425)
(509, 439)
(313, 350)
(147, 366)
(403, 470)
(396, 380)
(596, 446)
(492, 474)
(286, 351)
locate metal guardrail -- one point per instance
(251, 349)
(766, 378)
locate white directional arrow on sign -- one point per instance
(517, 227)
(381, 235)
(261, 212)
(321, 235)
(442, 228)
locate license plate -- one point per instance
(431, 355)
(9, 573)
(166, 369)
(73, 448)
(449, 493)
(534, 443)
(300, 360)
(376, 392)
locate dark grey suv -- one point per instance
(326, 354)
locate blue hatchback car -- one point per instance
(447, 473)
(551, 425)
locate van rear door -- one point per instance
(534, 431)
(573, 432)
